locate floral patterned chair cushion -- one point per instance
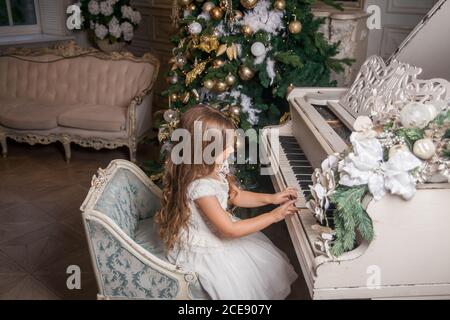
(129, 258)
(126, 200)
(147, 237)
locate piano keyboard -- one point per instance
(295, 168)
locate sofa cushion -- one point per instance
(7, 104)
(100, 118)
(32, 116)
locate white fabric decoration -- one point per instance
(270, 69)
(366, 166)
(259, 59)
(245, 102)
(246, 105)
(263, 18)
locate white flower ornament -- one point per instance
(365, 166)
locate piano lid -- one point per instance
(428, 45)
(425, 52)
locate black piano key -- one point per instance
(305, 185)
(303, 170)
(291, 146)
(292, 150)
(291, 156)
(288, 138)
(299, 163)
(303, 177)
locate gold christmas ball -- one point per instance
(216, 13)
(247, 30)
(220, 86)
(192, 7)
(218, 63)
(208, 6)
(238, 15)
(235, 110)
(245, 73)
(280, 5)
(184, 3)
(295, 27)
(249, 4)
(208, 84)
(173, 97)
(230, 80)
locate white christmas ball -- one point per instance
(415, 115)
(396, 149)
(170, 115)
(195, 28)
(424, 149)
(258, 49)
(432, 111)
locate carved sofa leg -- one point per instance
(4, 145)
(67, 150)
(133, 151)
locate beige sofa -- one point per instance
(75, 95)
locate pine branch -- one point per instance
(350, 216)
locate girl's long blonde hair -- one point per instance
(174, 213)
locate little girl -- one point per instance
(233, 259)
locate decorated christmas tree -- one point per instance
(243, 57)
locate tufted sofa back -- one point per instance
(80, 79)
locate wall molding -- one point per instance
(393, 36)
(410, 6)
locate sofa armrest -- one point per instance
(140, 116)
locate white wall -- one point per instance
(398, 18)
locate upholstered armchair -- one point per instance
(69, 94)
(128, 258)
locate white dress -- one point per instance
(250, 267)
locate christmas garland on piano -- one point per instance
(389, 153)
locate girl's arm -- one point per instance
(246, 199)
(212, 209)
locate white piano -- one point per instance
(410, 255)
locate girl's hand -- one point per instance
(286, 195)
(284, 210)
